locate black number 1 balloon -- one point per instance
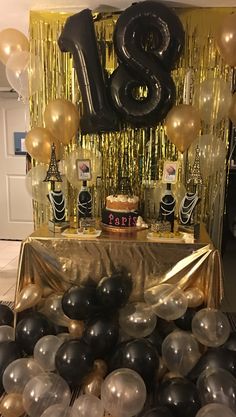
(141, 64)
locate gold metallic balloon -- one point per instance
(12, 40)
(226, 39)
(92, 384)
(195, 296)
(38, 144)
(12, 406)
(100, 367)
(28, 297)
(182, 126)
(62, 119)
(76, 327)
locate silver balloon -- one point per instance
(18, 373)
(45, 351)
(215, 410)
(137, 320)
(7, 333)
(87, 405)
(45, 390)
(211, 327)
(123, 393)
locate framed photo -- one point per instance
(170, 172)
(19, 143)
(84, 172)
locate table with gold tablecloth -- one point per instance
(56, 262)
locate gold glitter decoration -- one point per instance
(137, 152)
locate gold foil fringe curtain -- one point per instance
(138, 153)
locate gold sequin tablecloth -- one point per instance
(56, 262)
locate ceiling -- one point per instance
(15, 13)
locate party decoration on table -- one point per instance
(12, 405)
(180, 396)
(71, 165)
(217, 386)
(123, 393)
(168, 301)
(38, 143)
(6, 315)
(45, 351)
(43, 391)
(146, 67)
(214, 358)
(9, 351)
(139, 355)
(24, 74)
(30, 329)
(62, 119)
(113, 292)
(11, 41)
(195, 176)
(101, 334)
(185, 321)
(212, 97)
(215, 410)
(74, 359)
(18, 373)
(87, 405)
(226, 39)
(211, 327)
(28, 297)
(180, 352)
(182, 126)
(137, 320)
(84, 202)
(57, 410)
(79, 303)
(7, 333)
(167, 207)
(186, 208)
(53, 174)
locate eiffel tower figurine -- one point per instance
(53, 174)
(195, 176)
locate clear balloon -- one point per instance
(45, 390)
(45, 351)
(137, 320)
(87, 405)
(58, 410)
(28, 297)
(217, 386)
(12, 405)
(18, 373)
(211, 327)
(7, 333)
(12, 40)
(213, 97)
(195, 297)
(123, 393)
(226, 39)
(180, 352)
(215, 410)
(23, 71)
(52, 308)
(182, 126)
(62, 119)
(168, 301)
(71, 166)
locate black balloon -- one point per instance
(142, 66)
(74, 359)
(30, 329)
(101, 334)
(9, 352)
(6, 315)
(113, 292)
(214, 358)
(156, 339)
(79, 303)
(139, 355)
(180, 396)
(230, 344)
(78, 37)
(158, 412)
(185, 321)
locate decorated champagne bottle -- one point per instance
(167, 207)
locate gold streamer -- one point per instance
(140, 153)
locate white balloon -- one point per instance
(45, 351)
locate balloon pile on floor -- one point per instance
(91, 352)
